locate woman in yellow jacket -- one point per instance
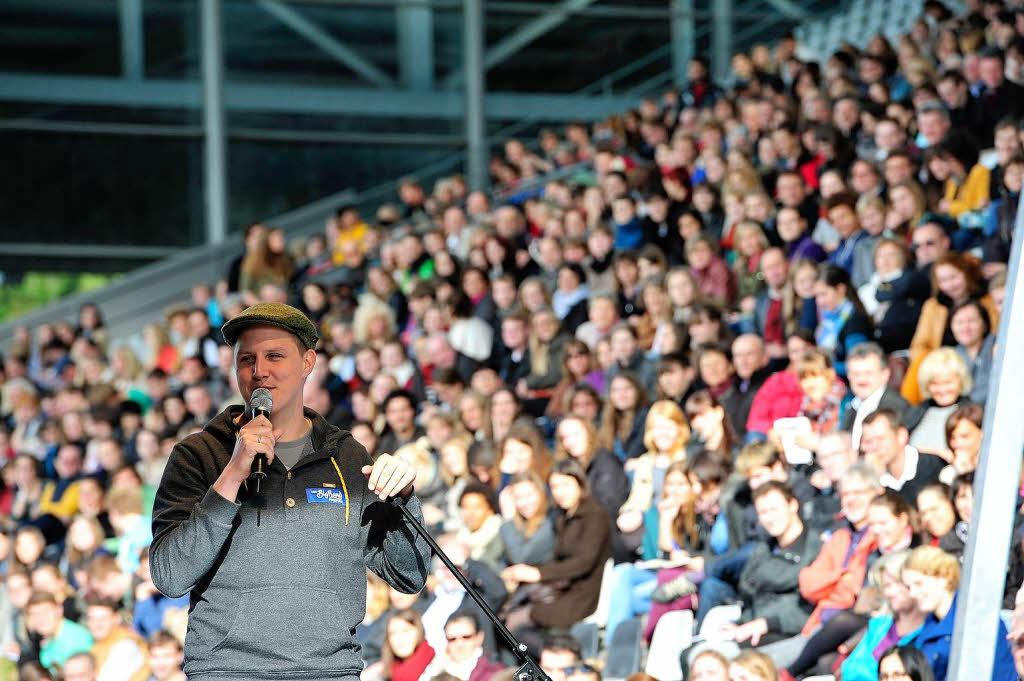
(956, 277)
(949, 162)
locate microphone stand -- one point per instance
(530, 670)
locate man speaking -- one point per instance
(277, 578)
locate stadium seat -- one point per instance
(600, 615)
(624, 650)
(671, 637)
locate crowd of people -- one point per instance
(735, 367)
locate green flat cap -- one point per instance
(271, 314)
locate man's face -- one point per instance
(834, 457)
(602, 313)
(623, 345)
(888, 136)
(400, 415)
(790, 189)
(866, 375)
(747, 356)
(880, 443)
(759, 475)
(44, 619)
(991, 71)
(863, 177)
(198, 401)
(269, 357)
(929, 243)
(953, 93)
(513, 333)
(464, 640)
(846, 113)
(897, 169)
(776, 513)
(773, 267)
(69, 461)
(657, 208)
(555, 662)
(100, 621)
(475, 511)
(714, 368)
(844, 219)
(79, 668)
(926, 590)
(198, 324)
(933, 125)
(855, 500)
(164, 660)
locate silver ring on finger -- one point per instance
(259, 439)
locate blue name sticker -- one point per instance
(325, 495)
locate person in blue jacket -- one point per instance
(932, 576)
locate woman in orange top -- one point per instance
(956, 277)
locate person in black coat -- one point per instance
(902, 468)
(999, 99)
(869, 374)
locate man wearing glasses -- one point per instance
(464, 656)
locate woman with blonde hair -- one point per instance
(666, 433)
(750, 242)
(945, 382)
(374, 322)
(125, 369)
(907, 204)
(751, 665)
(657, 314)
(932, 576)
(161, 353)
(896, 621)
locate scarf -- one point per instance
(824, 413)
(411, 668)
(831, 325)
(562, 302)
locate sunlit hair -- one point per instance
(529, 526)
(814, 362)
(592, 442)
(932, 561)
(942, 361)
(669, 410)
(758, 664)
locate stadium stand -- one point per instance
(760, 315)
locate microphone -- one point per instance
(261, 402)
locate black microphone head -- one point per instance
(261, 402)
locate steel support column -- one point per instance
(326, 42)
(414, 23)
(523, 36)
(996, 486)
(475, 116)
(721, 39)
(215, 145)
(133, 50)
(683, 39)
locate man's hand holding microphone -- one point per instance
(256, 438)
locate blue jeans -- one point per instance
(720, 581)
(630, 595)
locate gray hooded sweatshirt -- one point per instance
(282, 600)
